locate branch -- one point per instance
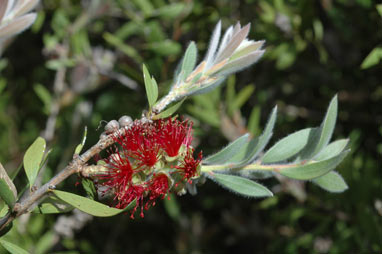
(75, 166)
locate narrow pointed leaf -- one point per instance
(168, 112)
(262, 140)
(90, 206)
(12, 248)
(213, 45)
(327, 126)
(80, 146)
(313, 169)
(227, 152)
(241, 185)
(242, 155)
(8, 190)
(151, 87)
(241, 63)
(33, 158)
(234, 43)
(254, 46)
(52, 205)
(287, 147)
(332, 182)
(189, 61)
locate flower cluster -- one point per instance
(151, 159)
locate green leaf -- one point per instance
(165, 47)
(262, 140)
(45, 242)
(287, 147)
(241, 185)
(151, 87)
(12, 248)
(44, 96)
(227, 152)
(327, 126)
(171, 11)
(8, 191)
(52, 205)
(120, 45)
(241, 98)
(168, 112)
(313, 169)
(373, 58)
(90, 206)
(319, 138)
(80, 146)
(33, 158)
(379, 9)
(189, 60)
(332, 182)
(254, 121)
(89, 187)
(331, 150)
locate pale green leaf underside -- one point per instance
(241, 185)
(314, 169)
(332, 182)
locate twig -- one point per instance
(74, 166)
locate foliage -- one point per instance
(311, 54)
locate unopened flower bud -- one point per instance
(125, 121)
(111, 126)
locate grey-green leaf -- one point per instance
(52, 205)
(12, 248)
(151, 87)
(8, 190)
(333, 149)
(332, 182)
(168, 112)
(263, 139)
(313, 169)
(327, 126)
(90, 206)
(189, 61)
(287, 147)
(80, 146)
(227, 152)
(241, 185)
(33, 158)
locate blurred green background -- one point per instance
(80, 63)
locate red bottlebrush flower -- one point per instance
(174, 133)
(119, 173)
(118, 177)
(133, 192)
(189, 166)
(140, 140)
(158, 187)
